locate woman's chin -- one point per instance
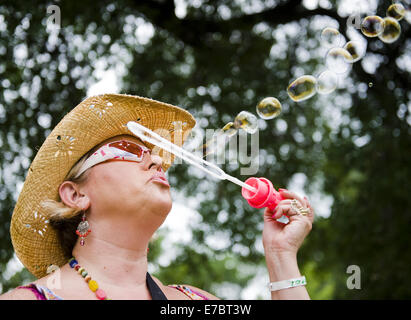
(163, 204)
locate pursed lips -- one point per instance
(160, 177)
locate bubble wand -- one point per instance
(259, 192)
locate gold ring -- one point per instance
(299, 210)
(294, 202)
(294, 206)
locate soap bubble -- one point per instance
(392, 30)
(229, 129)
(219, 140)
(246, 121)
(302, 88)
(327, 82)
(396, 11)
(356, 49)
(338, 60)
(372, 26)
(331, 37)
(269, 108)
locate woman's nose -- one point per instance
(155, 160)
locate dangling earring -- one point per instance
(83, 229)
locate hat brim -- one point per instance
(93, 121)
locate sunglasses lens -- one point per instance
(129, 147)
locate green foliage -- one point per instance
(355, 142)
(321, 285)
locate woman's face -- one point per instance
(129, 188)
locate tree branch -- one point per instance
(194, 30)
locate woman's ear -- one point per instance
(72, 197)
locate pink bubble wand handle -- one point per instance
(265, 196)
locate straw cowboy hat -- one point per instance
(94, 120)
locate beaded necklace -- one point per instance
(92, 284)
(155, 291)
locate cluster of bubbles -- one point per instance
(268, 108)
(387, 29)
(338, 60)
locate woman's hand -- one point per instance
(282, 241)
(287, 238)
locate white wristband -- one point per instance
(285, 284)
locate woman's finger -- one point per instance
(303, 202)
(280, 210)
(286, 209)
(286, 194)
(288, 202)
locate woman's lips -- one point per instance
(160, 177)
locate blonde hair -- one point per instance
(62, 217)
(57, 210)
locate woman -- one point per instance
(95, 195)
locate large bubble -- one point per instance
(356, 49)
(269, 108)
(396, 11)
(392, 30)
(372, 26)
(246, 121)
(302, 88)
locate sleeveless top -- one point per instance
(44, 293)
